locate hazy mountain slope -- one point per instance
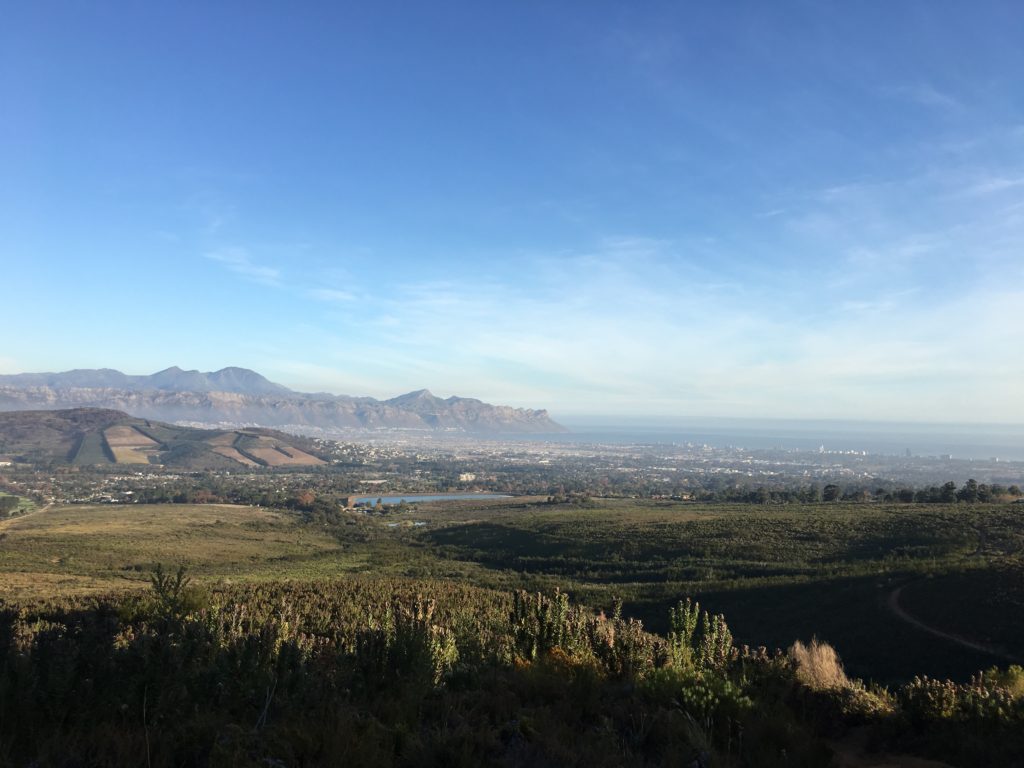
(242, 397)
(173, 379)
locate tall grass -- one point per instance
(818, 666)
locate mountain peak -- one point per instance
(419, 398)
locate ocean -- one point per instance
(960, 441)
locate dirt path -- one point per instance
(896, 608)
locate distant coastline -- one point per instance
(959, 441)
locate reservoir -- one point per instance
(414, 497)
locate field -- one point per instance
(88, 549)
(226, 439)
(232, 453)
(127, 436)
(777, 573)
(86, 437)
(129, 446)
(277, 456)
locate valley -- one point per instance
(425, 572)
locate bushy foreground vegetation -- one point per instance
(402, 672)
(778, 573)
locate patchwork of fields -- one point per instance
(131, 444)
(271, 453)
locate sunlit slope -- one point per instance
(91, 436)
(101, 547)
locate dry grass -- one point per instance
(278, 456)
(127, 437)
(124, 454)
(232, 453)
(301, 456)
(87, 548)
(818, 666)
(128, 445)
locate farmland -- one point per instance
(129, 446)
(90, 438)
(276, 456)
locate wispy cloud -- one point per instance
(634, 326)
(994, 184)
(331, 295)
(925, 95)
(238, 261)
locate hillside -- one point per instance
(239, 396)
(92, 436)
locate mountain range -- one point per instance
(239, 396)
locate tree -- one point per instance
(968, 493)
(947, 494)
(831, 493)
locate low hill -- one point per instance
(238, 396)
(94, 436)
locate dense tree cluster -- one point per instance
(971, 492)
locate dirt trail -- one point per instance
(896, 608)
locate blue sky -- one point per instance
(793, 209)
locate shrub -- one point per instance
(818, 666)
(174, 597)
(983, 698)
(707, 645)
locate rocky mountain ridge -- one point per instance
(243, 397)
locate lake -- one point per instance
(412, 497)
